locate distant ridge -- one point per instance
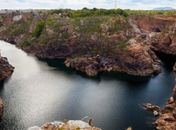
(164, 8)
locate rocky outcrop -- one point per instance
(94, 44)
(160, 31)
(5, 68)
(136, 60)
(69, 125)
(89, 44)
(152, 108)
(5, 71)
(167, 118)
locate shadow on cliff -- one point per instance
(167, 60)
(60, 66)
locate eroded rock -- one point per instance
(152, 108)
(69, 125)
(137, 59)
(167, 118)
(5, 68)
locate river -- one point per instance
(40, 92)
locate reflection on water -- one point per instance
(38, 92)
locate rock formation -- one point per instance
(88, 44)
(5, 68)
(5, 71)
(160, 31)
(167, 118)
(137, 60)
(70, 125)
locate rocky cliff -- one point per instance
(93, 44)
(5, 68)
(167, 117)
(96, 43)
(5, 71)
(90, 44)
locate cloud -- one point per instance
(77, 4)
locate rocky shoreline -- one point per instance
(97, 44)
(69, 125)
(5, 68)
(5, 71)
(167, 116)
(117, 45)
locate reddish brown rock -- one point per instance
(167, 118)
(135, 60)
(69, 125)
(161, 30)
(5, 68)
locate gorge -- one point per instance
(98, 47)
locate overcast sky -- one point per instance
(77, 4)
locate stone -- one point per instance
(17, 18)
(170, 100)
(5, 68)
(69, 125)
(151, 107)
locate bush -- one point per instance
(91, 12)
(39, 28)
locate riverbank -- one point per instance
(5, 69)
(90, 44)
(56, 93)
(69, 125)
(167, 117)
(94, 44)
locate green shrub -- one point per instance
(90, 12)
(26, 43)
(39, 28)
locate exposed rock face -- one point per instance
(167, 118)
(136, 60)
(5, 68)
(5, 71)
(160, 30)
(80, 41)
(89, 44)
(70, 125)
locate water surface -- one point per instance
(37, 93)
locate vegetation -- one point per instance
(39, 28)
(150, 12)
(85, 12)
(90, 12)
(66, 26)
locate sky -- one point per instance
(78, 4)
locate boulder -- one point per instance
(69, 125)
(167, 118)
(5, 68)
(152, 108)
